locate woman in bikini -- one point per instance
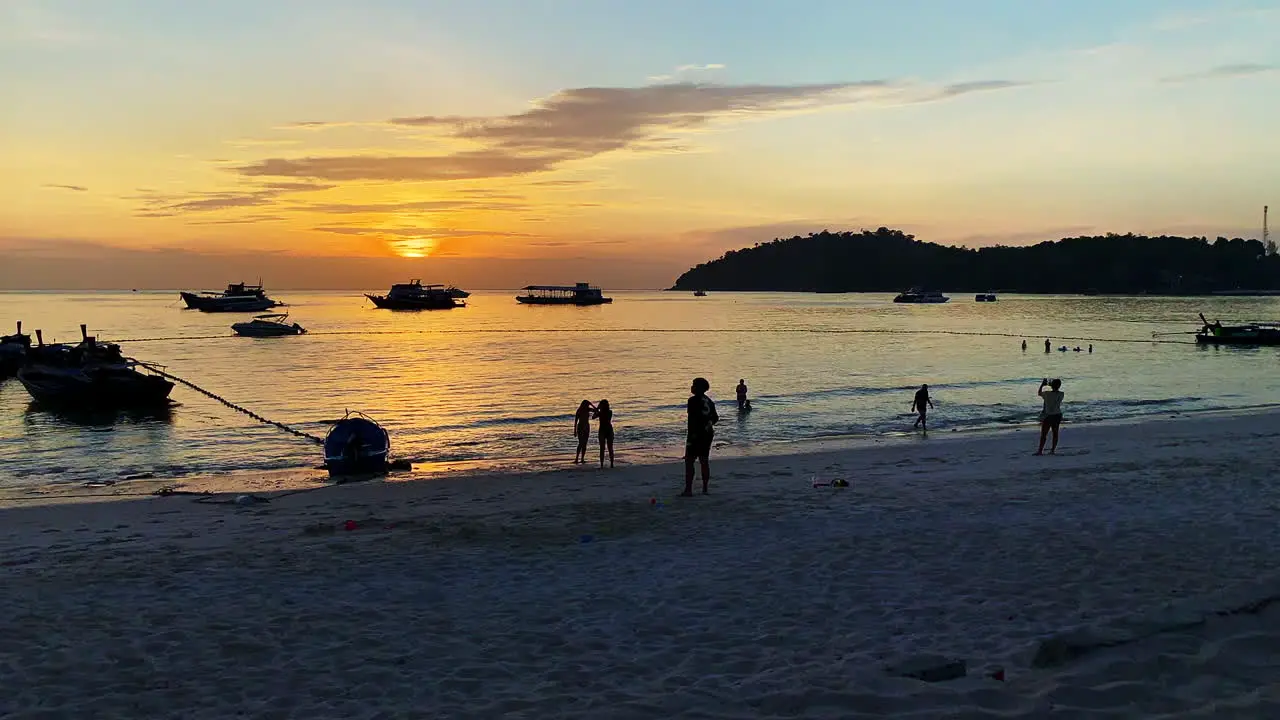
(606, 430)
(582, 428)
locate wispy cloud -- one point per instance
(585, 122)
(415, 206)
(685, 70)
(75, 188)
(1222, 72)
(248, 220)
(437, 233)
(153, 204)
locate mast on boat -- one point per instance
(1266, 234)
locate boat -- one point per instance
(916, 295)
(1216, 333)
(413, 295)
(90, 375)
(457, 292)
(985, 297)
(269, 325)
(13, 352)
(238, 297)
(699, 293)
(578, 294)
(356, 445)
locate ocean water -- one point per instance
(495, 384)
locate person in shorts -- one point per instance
(702, 421)
(1051, 414)
(921, 405)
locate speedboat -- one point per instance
(699, 293)
(13, 352)
(579, 294)
(238, 297)
(356, 445)
(916, 295)
(269, 325)
(90, 375)
(457, 292)
(413, 295)
(984, 297)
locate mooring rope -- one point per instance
(155, 369)
(553, 331)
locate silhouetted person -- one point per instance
(742, 394)
(605, 414)
(702, 422)
(921, 404)
(1090, 348)
(1051, 414)
(1047, 346)
(582, 428)
(1024, 346)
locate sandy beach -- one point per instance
(1129, 576)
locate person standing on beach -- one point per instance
(582, 428)
(742, 394)
(702, 421)
(1051, 414)
(921, 404)
(1047, 346)
(606, 430)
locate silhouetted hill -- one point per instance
(889, 261)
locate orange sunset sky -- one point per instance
(499, 143)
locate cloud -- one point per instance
(437, 233)
(240, 221)
(76, 188)
(683, 70)
(161, 205)
(581, 123)
(416, 206)
(1222, 72)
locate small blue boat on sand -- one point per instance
(356, 445)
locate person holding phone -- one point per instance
(1051, 413)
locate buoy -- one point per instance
(349, 525)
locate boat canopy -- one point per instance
(562, 288)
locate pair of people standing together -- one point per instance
(582, 428)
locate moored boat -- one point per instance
(413, 295)
(985, 297)
(916, 295)
(238, 297)
(699, 293)
(269, 325)
(90, 375)
(1216, 333)
(13, 351)
(578, 294)
(356, 445)
(457, 292)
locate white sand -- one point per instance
(475, 596)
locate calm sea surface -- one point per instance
(496, 384)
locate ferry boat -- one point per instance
(579, 294)
(238, 297)
(413, 295)
(90, 375)
(270, 325)
(916, 295)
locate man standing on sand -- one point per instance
(1051, 415)
(702, 421)
(921, 404)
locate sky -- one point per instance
(498, 143)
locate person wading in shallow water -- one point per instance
(702, 421)
(921, 404)
(1051, 415)
(742, 394)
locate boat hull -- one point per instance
(75, 387)
(1267, 338)
(443, 302)
(356, 446)
(244, 331)
(921, 301)
(561, 301)
(206, 303)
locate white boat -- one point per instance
(270, 325)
